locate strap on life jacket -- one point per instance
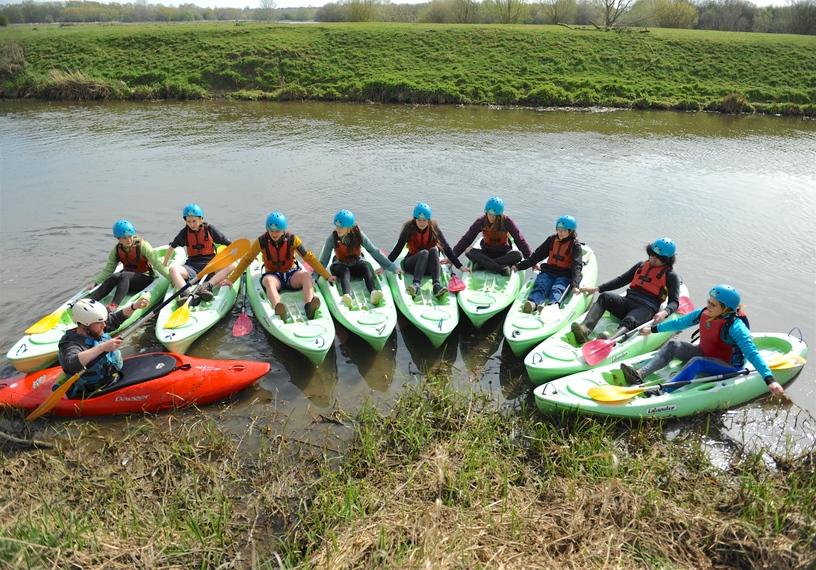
(133, 260)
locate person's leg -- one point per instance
(178, 275)
(130, 284)
(541, 289)
(363, 271)
(702, 364)
(302, 279)
(683, 351)
(106, 287)
(559, 285)
(272, 285)
(483, 260)
(415, 265)
(510, 258)
(341, 271)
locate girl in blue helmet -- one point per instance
(495, 252)
(281, 268)
(139, 266)
(725, 343)
(424, 240)
(347, 242)
(200, 239)
(650, 283)
(564, 256)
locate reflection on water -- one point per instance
(736, 193)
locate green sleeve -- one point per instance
(148, 251)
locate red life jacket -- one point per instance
(421, 240)
(133, 260)
(652, 280)
(712, 332)
(278, 258)
(496, 239)
(561, 253)
(342, 251)
(203, 247)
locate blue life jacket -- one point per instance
(103, 373)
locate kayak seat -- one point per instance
(140, 369)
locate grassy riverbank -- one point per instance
(441, 480)
(438, 64)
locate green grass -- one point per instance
(507, 65)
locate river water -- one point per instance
(736, 193)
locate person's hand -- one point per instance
(464, 269)
(646, 331)
(142, 302)
(333, 279)
(537, 267)
(467, 249)
(575, 290)
(513, 268)
(90, 286)
(590, 290)
(225, 283)
(660, 317)
(399, 272)
(776, 389)
(379, 271)
(444, 261)
(112, 344)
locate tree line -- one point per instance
(796, 17)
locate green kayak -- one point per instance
(559, 356)
(572, 393)
(39, 351)
(313, 338)
(487, 294)
(523, 331)
(202, 318)
(434, 316)
(374, 323)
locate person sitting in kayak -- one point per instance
(725, 343)
(79, 346)
(650, 283)
(347, 242)
(282, 270)
(200, 239)
(562, 269)
(495, 252)
(139, 266)
(424, 239)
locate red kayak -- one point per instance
(149, 382)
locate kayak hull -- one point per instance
(313, 337)
(560, 356)
(436, 317)
(374, 324)
(523, 331)
(205, 381)
(39, 351)
(570, 393)
(487, 294)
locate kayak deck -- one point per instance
(571, 393)
(487, 294)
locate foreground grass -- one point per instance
(507, 65)
(442, 480)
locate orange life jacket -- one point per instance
(133, 260)
(421, 240)
(278, 258)
(712, 332)
(203, 247)
(342, 251)
(494, 238)
(652, 280)
(561, 253)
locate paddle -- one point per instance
(221, 260)
(243, 325)
(47, 323)
(455, 284)
(597, 350)
(552, 309)
(182, 314)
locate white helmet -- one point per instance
(87, 312)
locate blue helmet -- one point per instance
(495, 206)
(726, 295)
(566, 223)
(123, 228)
(276, 221)
(193, 210)
(344, 219)
(664, 247)
(422, 211)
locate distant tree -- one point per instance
(613, 10)
(727, 16)
(675, 14)
(465, 11)
(407, 13)
(266, 12)
(187, 16)
(14, 14)
(362, 10)
(506, 11)
(332, 12)
(3, 21)
(558, 11)
(802, 17)
(208, 15)
(436, 12)
(303, 14)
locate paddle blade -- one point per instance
(242, 326)
(597, 350)
(45, 324)
(179, 316)
(550, 313)
(612, 394)
(55, 397)
(455, 284)
(685, 306)
(226, 256)
(786, 361)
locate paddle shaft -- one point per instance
(742, 372)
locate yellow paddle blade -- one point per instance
(786, 361)
(179, 316)
(614, 393)
(55, 397)
(45, 324)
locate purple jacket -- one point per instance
(476, 228)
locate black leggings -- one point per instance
(425, 262)
(125, 282)
(345, 272)
(493, 264)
